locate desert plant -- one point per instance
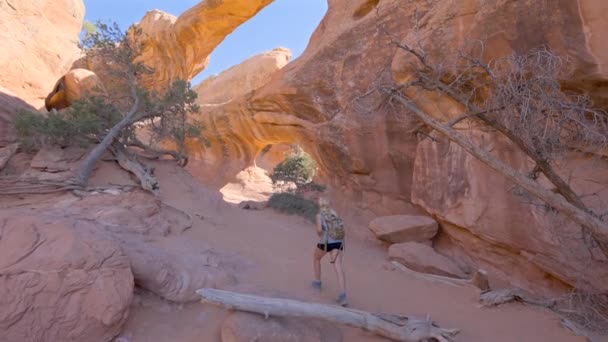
(82, 124)
(293, 204)
(298, 168)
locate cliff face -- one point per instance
(324, 101)
(39, 43)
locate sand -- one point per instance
(279, 250)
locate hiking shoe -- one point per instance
(342, 299)
(316, 284)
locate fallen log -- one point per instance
(478, 280)
(397, 328)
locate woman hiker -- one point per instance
(330, 229)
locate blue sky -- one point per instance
(286, 23)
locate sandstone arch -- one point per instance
(323, 102)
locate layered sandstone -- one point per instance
(40, 43)
(325, 101)
(241, 79)
(60, 280)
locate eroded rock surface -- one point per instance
(325, 101)
(40, 42)
(60, 280)
(179, 47)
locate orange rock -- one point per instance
(179, 47)
(39, 43)
(76, 84)
(404, 228)
(325, 101)
(61, 280)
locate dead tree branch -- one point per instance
(397, 328)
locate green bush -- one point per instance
(80, 124)
(298, 167)
(294, 205)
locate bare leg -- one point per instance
(337, 256)
(316, 262)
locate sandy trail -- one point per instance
(279, 248)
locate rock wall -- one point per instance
(39, 42)
(324, 101)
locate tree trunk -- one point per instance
(86, 168)
(598, 228)
(128, 162)
(397, 328)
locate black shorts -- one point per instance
(330, 246)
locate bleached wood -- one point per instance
(397, 328)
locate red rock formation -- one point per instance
(366, 153)
(39, 44)
(60, 280)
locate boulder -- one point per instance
(246, 327)
(404, 228)
(76, 84)
(60, 281)
(176, 272)
(422, 258)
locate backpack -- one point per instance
(333, 225)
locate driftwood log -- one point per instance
(397, 328)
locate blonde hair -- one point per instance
(324, 202)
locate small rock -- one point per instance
(404, 228)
